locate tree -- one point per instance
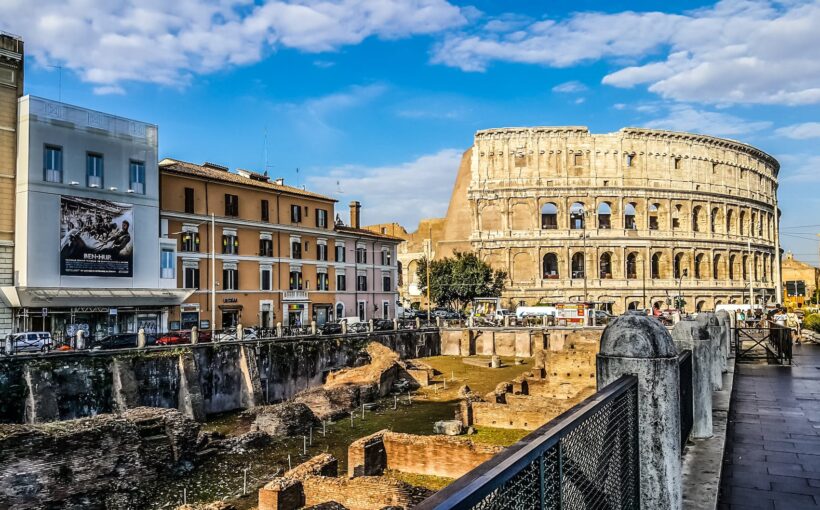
(456, 281)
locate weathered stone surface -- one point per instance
(448, 427)
(218, 505)
(285, 419)
(710, 321)
(323, 464)
(691, 335)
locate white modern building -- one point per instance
(88, 253)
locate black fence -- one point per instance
(585, 458)
(687, 411)
(772, 343)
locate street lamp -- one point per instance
(680, 302)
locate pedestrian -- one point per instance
(792, 324)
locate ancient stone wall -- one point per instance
(98, 462)
(508, 342)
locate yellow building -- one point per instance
(800, 282)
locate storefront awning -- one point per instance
(36, 297)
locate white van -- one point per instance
(31, 341)
(535, 311)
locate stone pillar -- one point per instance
(438, 322)
(281, 494)
(395, 324)
(726, 334)
(240, 332)
(123, 385)
(313, 327)
(639, 345)
(280, 331)
(80, 343)
(9, 346)
(688, 334)
(370, 327)
(418, 322)
(190, 400)
(344, 327)
(710, 322)
(495, 361)
(194, 335)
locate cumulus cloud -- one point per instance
(799, 168)
(570, 87)
(802, 131)
(108, 42)
(738, 51)
(686, 118)
(425, 184)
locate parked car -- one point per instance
(31, 341)
(603, 317)
(382, 325)
(122, 341)
(182, 337)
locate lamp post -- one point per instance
(213, 273)
(680, 303)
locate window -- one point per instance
(189, 200)
(629, 217)
(653, 216)
(340, 253)
(549, 217)
(230, 279)
(295, 280)
(321, 252)
(361, 255)
(696, 219)
(265, 248)
(340, 311)
(630, 160)
(713, 220)
(385, 310)
(386, 283)
(322, 282)
(632, 266)
(577, 159)
(676, 217)
(716, 273)
(341, 282)
(321, 218)
(295, 214)
(231, 205)
(361, 282)
(605, 266)
(655, 270)
(265, 274)
(52, 164)
(137, 171)
(677, 266)
(265, 210)
(167, 263)
(361, 308)
(745, 268)
(190, 242)
(576, 216)
(732, 262)
(604, 216)
(295, 249)
(550, 266)
(191, 277)
(230, 243)
(677, 163)
(94, 170)
(698, 266)
(578, 265)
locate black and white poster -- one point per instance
(96, 237)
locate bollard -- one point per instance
(344, 327)
(438, 322)
(141, 338)
(495, 361)
(545, 320)
(688, 334)
(470, 321)
(710, 321)
(418, 322)
(506, 321)
(9, 347)
(80, 345)
(640, 345)
(726, 331)
(312, 327)
(194, 335)
(279, 330)
(395, 324)
(240, 332)
(370, 327)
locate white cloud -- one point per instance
(738, 51)
(570, 87)
(424, 183)
(802, 131)
(686, 118)
(109, 42)
(799, 168)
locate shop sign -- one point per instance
(112, 311)
(229, 300)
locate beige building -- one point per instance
(800, 282)
(625, 218)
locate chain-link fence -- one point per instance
(586, 458)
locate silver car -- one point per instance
(32, 341)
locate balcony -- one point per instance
(295, 295)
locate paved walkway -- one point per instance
(772, 457)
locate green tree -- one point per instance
(456, 281)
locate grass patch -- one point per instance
(481, 380)
(497, 437)
(435, 483)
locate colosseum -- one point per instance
(628, 219)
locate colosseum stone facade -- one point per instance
(626, 218)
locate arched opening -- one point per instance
(756, 266)
(655, 271)
(696, 218)
(742, 223)
(730, 221)
(576, 216)
(765, 268)
(677, 266)
(604, 215)
(654, 210)
(633, 305)
(605, 265)
(716, 267)
(700, 306)
(578, 265)
(676, 217)
(632, 266)
(550, 266)
(699, 266)
(340, 311)
(732, 261)
(713, 220)
(752, 224)
(745, 268)
(629, 217)
(549, 216)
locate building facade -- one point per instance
(629, 219)
(800, 282)
(257, 252)
(88, 255)
(11, 89)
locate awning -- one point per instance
(36, 297)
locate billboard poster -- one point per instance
(96, 237)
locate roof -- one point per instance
(211, 173)
(367, 233)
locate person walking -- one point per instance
(793, 324)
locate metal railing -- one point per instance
(686, 393)
(772, 343)
(585, 458)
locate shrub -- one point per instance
(812, 322)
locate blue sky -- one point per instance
(384, 96)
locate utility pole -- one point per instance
(213, 275)
(429, 256)
(751, 281)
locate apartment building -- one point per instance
(258, 252)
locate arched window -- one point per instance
(654, 210)
(742, 223)
(632, 266)
(756, 265)
(550, 266)
(629, 217)
(730, 219)
(633, 305)
(696, 218)
(700, 306)
(676, 217)
(745, 269)
(576, 216)
(716, 267)
(699, 266)
(549, 216)
(656, 266)
(340, 311)
(713, 220)
(765, 268)
(578, 265)
(752, 224)
(732, 260)
(604, 215)
(677, 267)
(605, 265)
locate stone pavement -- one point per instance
(772, 457)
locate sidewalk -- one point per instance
(772, 457)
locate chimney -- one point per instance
(355, 214)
